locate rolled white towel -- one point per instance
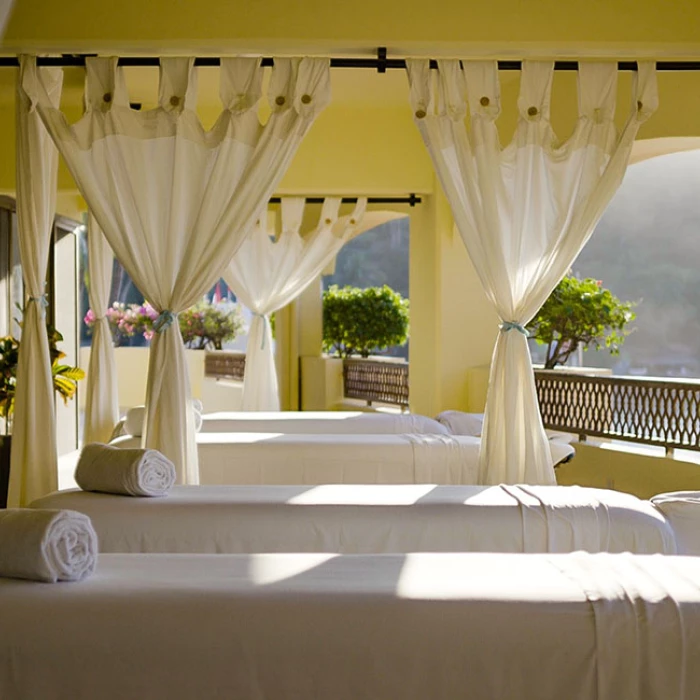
(128, 471)
(133, 421)
(46, 545)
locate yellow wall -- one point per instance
(453, 326)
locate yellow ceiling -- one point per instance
(451, 27)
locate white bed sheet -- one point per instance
(273, 458)
(372, 519)
(321, 626)
(314, 422)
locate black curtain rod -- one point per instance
(411, 200)
(381, 63)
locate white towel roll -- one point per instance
(129, 471)
(46, 545)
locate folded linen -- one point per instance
(130, 471)
(133, 421)
(46, 545)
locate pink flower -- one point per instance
(89, 317)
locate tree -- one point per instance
(580, 313)
(357, 321)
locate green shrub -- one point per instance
(357, 321)
(580, 313)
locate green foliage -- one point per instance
(357, 321)
(206, 325)
(580, 313)
(65, 377)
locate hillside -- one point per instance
(647, 248)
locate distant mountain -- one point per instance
(647, 248)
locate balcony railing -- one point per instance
(224, 364)
(376, 380)
(651, 411)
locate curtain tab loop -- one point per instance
(513, 326)
(165, 319)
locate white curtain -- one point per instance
(34, 461)
(102, 403)
(267, 274)
(524, 213)
(176, 201)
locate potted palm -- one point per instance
(65, 380)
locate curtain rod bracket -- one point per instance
(381, 59)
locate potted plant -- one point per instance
(358, 321)
(65, 380)
(580, 313)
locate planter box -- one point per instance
(376, 379)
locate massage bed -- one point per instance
(372, 519)
(327, 627)
(273, 458)
(315, 422)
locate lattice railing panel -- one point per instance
(371, 380)
(665, 413)
(222, 364)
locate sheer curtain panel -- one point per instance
(34, 462)
(102, 403)
(524, 213)
(175, 201)
(267, 274)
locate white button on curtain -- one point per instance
(524, 213)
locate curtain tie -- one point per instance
(42, 301)
(164, 321)
(266, 322)
(514, 326)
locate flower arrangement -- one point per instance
(203, 326)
